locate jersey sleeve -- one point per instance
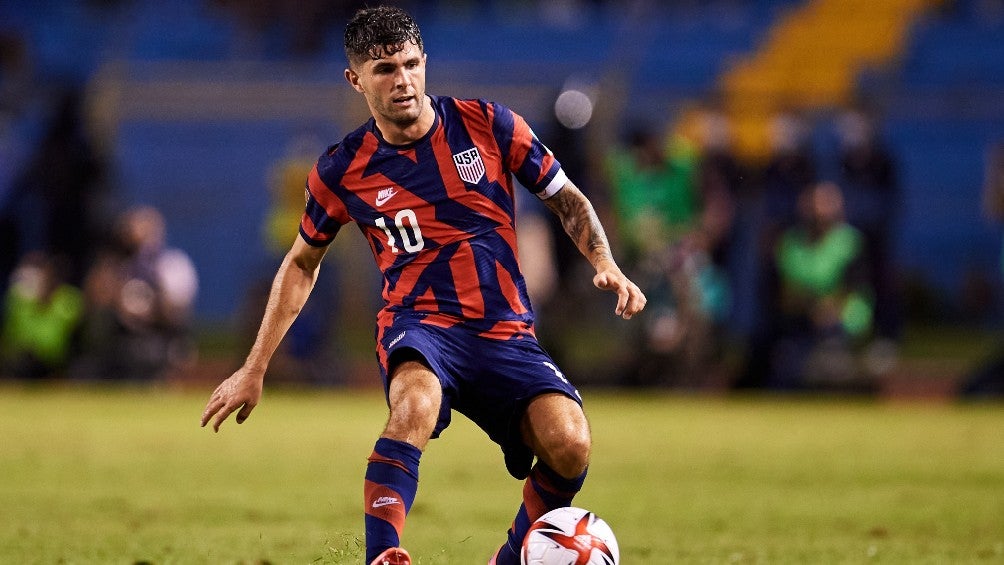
(529, 160)
(324, 213)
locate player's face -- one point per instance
(394, 86)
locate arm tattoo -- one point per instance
(580, 222)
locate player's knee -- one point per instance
(416, 409)
(415, 394)
(413, 413)
(425, 406)
(569, 456)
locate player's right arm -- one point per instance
(290, 289)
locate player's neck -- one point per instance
(396, 134)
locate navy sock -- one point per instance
(543, 491)
(391, 483)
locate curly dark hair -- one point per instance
(374, 33)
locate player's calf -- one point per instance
(544, 490)
(390, 487)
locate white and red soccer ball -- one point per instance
(570, 536)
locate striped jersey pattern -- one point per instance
(438, 214)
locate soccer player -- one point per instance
(428, 180)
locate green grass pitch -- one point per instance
(125, 475)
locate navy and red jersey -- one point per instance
(439, 213)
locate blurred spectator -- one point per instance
(654, 194)
(16, 94)
(721, 181)
(824, 302)
(52, 190)
(287, 185)
(306, 353)
(681, 341)
(868, 178)
(669, 233)
(728, 207)
(59, 187)
(140, 300)
(41, 316)
(717, 146)
(789, 170)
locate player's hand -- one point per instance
(241, 390)
(630, 298)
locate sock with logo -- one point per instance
(543, 491)
(391, 483)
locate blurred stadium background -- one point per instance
(212, 111)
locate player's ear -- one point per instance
(353, 79)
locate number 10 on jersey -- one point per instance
(411, 234)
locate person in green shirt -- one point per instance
(654, 193)
(41, 315)
(668, 230)
(824, 300)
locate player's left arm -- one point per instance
(583, 225)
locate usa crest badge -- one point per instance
(469, 165)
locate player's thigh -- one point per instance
(556, 429)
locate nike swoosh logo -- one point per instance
(384, 195)
(385, 502)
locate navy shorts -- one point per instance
(490, 381)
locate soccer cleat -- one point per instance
(393, 556)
